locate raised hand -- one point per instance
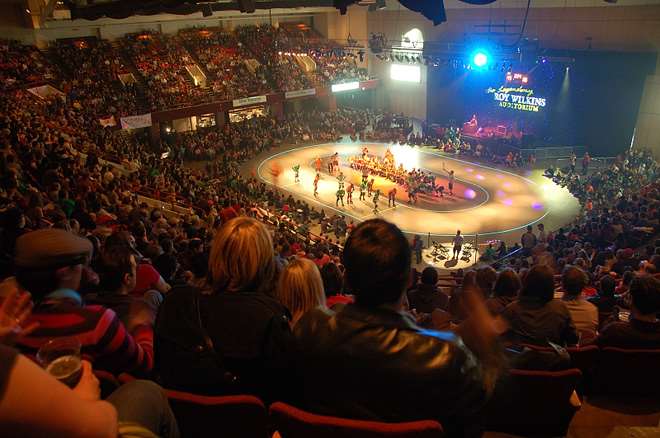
(16, 309)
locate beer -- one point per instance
(66, 369)
(61, 359)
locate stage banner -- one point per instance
(249, 101)
(300, 93)
(134, 122)
(108, 122)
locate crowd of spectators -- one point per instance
(226, 62)
(88, 63)
(270, 48)
(162, 62)
(290, 313)
(22, 64)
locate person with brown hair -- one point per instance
(536, 317)
(505, 291)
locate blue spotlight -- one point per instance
(480, 59)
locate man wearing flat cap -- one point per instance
(49, 265)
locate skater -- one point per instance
(349, 193)
(391, 197)
(458, 244)
(452, 178)
(335, 162)
(340, 197)
(363, 190)
(441, 191)
(316, 184)
(376, 196)
(370, 187)
(317, 164)
(340, 179)
(330, 166)
(365, 174)
(296, 173)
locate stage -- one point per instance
(491, 202)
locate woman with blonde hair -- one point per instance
(232, 336)
(300, 288)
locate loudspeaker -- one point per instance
(246, 6)
(206, 11)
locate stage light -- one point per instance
(480, 59)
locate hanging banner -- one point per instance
(249, 101)
(300, 93)
(134, 122)
(108, 122)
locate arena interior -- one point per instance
(330, 218)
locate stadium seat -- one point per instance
(234, 416)
(627, 372)
(583, 358)
(292, 422)
(533, 403)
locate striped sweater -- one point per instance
(104, 339)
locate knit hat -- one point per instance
(51, 248)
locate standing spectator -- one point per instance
(542, 237)
(457, 241)
(528, 241)
(417, 246)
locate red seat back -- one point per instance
(292, 422)
(234, 416)
(627, 372)
(533, 403)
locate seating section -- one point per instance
(91, 62)
(21, 65)
(225, 60)
(162, 63)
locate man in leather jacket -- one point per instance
(371, 361)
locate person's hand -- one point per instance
(480, 332)
(88, 388)
(15, 310)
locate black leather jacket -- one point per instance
(377, 364)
